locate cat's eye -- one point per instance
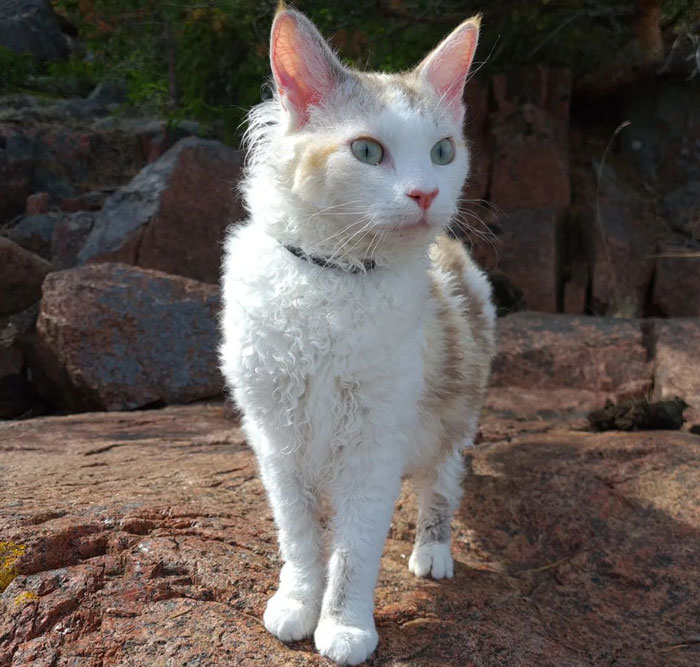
(367, 151)
(443, 152)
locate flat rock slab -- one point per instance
(601, 356)
(147, 540)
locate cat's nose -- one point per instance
(423, 199)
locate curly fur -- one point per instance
(351, 382)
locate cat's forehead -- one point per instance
(401, 93)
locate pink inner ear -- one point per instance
(447, 67)
(300, 69)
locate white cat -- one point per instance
(357, 338)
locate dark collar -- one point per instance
(368, 264)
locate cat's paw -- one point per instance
(432, 558)
(345, 644)
(289, 618)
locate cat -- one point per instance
(357, 337)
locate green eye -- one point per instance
(367, 151)
(443, 152)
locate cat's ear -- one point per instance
(304, 67)
(445, 68)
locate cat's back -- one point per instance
(461, 337)
(466, 288)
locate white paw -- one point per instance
(289, 618)
(433, 558)
(345, 644)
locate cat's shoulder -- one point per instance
(449, 255)
(455, 276)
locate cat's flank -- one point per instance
(357, 338)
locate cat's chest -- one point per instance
(346, 320)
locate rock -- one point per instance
(604, 356)
(16, 395)
(676, 362)
(80, 108)
(31, 26)
(153, 137)
(682, 209)
(526, 250)
(69, 160)
(21, 275)
(34, 233)
(15, 392)
(528, 186)
(676, 290)
(16, 155)
(110, 93)
(622, 269)
(116, 337)
(86, 201)
(529, 131)
(154, 542)
(476, 100)
(173, 215)
(69, 235)
(37, 203)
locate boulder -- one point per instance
(153, 543)
(676, 290)
(525, 248)
(21, 275)
(682, 209)
(529, 131)
(173, 215)
(15, 392)
(16, 395)
(16, 156)
(37, 203)
(528, 185)
(604, 356)
(31, 26)
(34, 233)
(116, 337)
(677, 362)
(69, 235)
(73, 158)
(624, 240)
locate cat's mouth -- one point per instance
(415, 228)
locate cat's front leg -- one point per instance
(438, 494)
(292, 612)
(363, 496)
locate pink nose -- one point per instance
(423, 199)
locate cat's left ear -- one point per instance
(445, 68)
(305, 69)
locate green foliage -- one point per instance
(73, 77)
(207, 60)
(15, 68)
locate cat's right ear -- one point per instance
(304, 68)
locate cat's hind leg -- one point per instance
(438, 494)
(292, 612)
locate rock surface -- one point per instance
(116, 337)
(173, 214)
(21, 275)
(147, 540)
(34, 233)
(677, 362)
(31, 26)
(16, 156)
(604, 357)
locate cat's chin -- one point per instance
(416, 230)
